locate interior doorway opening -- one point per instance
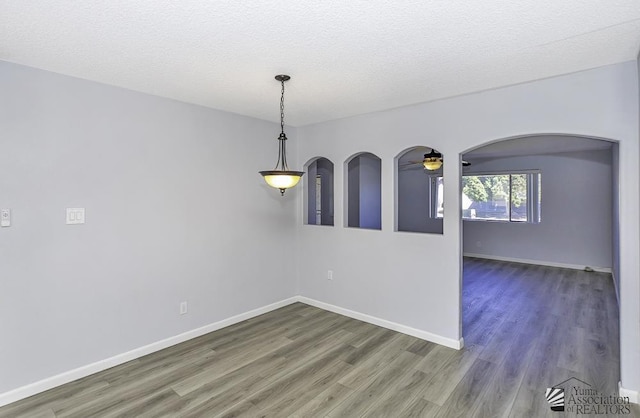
(540, 246)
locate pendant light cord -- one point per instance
(282, 149)
(282, 108)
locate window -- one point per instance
(504, 197)
(508, 197)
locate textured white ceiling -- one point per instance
(345, 57)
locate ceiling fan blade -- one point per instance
(410, 163)
(410, 167)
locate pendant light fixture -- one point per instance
(433, 160)
(281, 177)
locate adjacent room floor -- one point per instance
(526, 328)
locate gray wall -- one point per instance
(382, 274)
(414, 203)
(576, 212)
(176, 211)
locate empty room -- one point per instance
(319, 209)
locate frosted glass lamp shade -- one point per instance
(281, 179)
(432, 163)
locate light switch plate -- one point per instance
(5, 217)
(75, 216)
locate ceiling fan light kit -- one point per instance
(432, 161)
(281, 177)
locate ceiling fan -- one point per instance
(432, 161)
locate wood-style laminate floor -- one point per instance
(525, 328)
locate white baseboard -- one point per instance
(627, 393)
(75, 374)
(537, 262)
(423, 335)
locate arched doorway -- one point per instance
(540, 246)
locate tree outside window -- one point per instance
(498, 197)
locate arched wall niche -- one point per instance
(419, 192)
(363, 191)
(319, 192)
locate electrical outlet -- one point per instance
(5, 217)
(183, 308)
(330, 275)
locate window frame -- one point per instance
(534, 196)
(434, 196)
(534, 178)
